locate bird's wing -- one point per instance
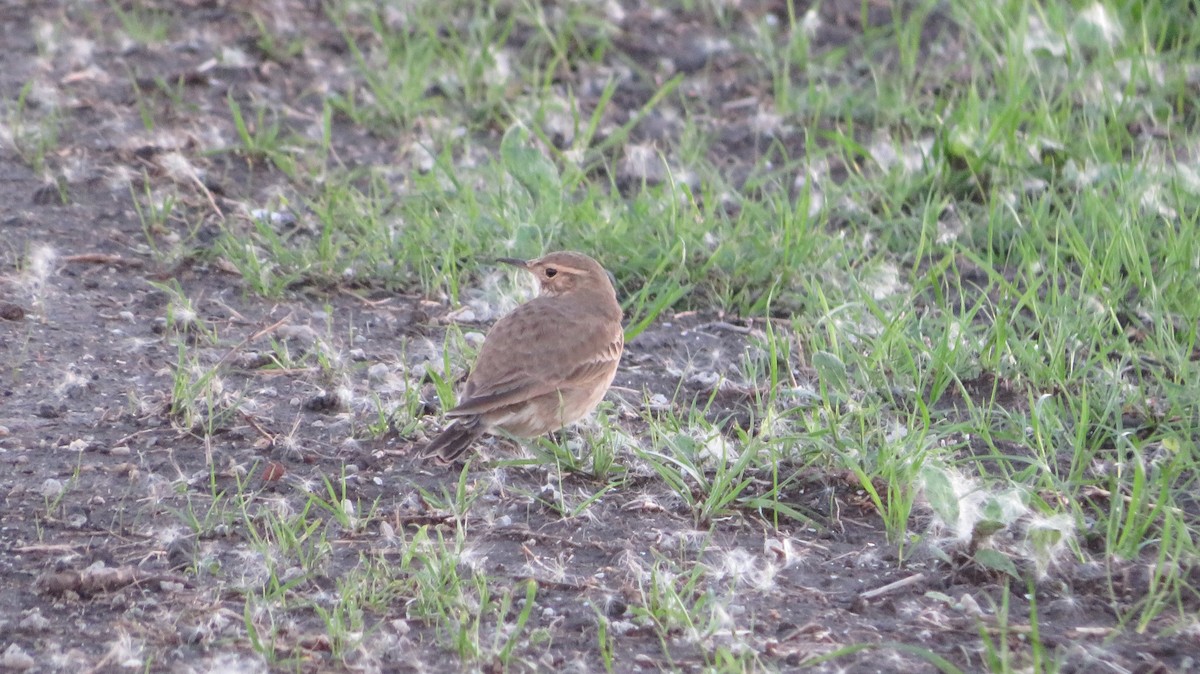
(538, 348)
(599, 362)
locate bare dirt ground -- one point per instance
(100, 569)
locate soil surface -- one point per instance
(107, 560)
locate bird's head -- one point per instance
(565, 272)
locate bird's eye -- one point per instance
(551, 272)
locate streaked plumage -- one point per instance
(547, 364)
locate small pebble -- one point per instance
(11, 312)
(34, 621)
(48, 411)
(300, 334)
(51, 489)
(378, 373)
(969, 606)
(77, 517)
(16, 659)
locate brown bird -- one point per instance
(547, 364)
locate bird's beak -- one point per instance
(514, 262)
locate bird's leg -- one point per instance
(507, 442)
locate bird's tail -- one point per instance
(455, 440)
